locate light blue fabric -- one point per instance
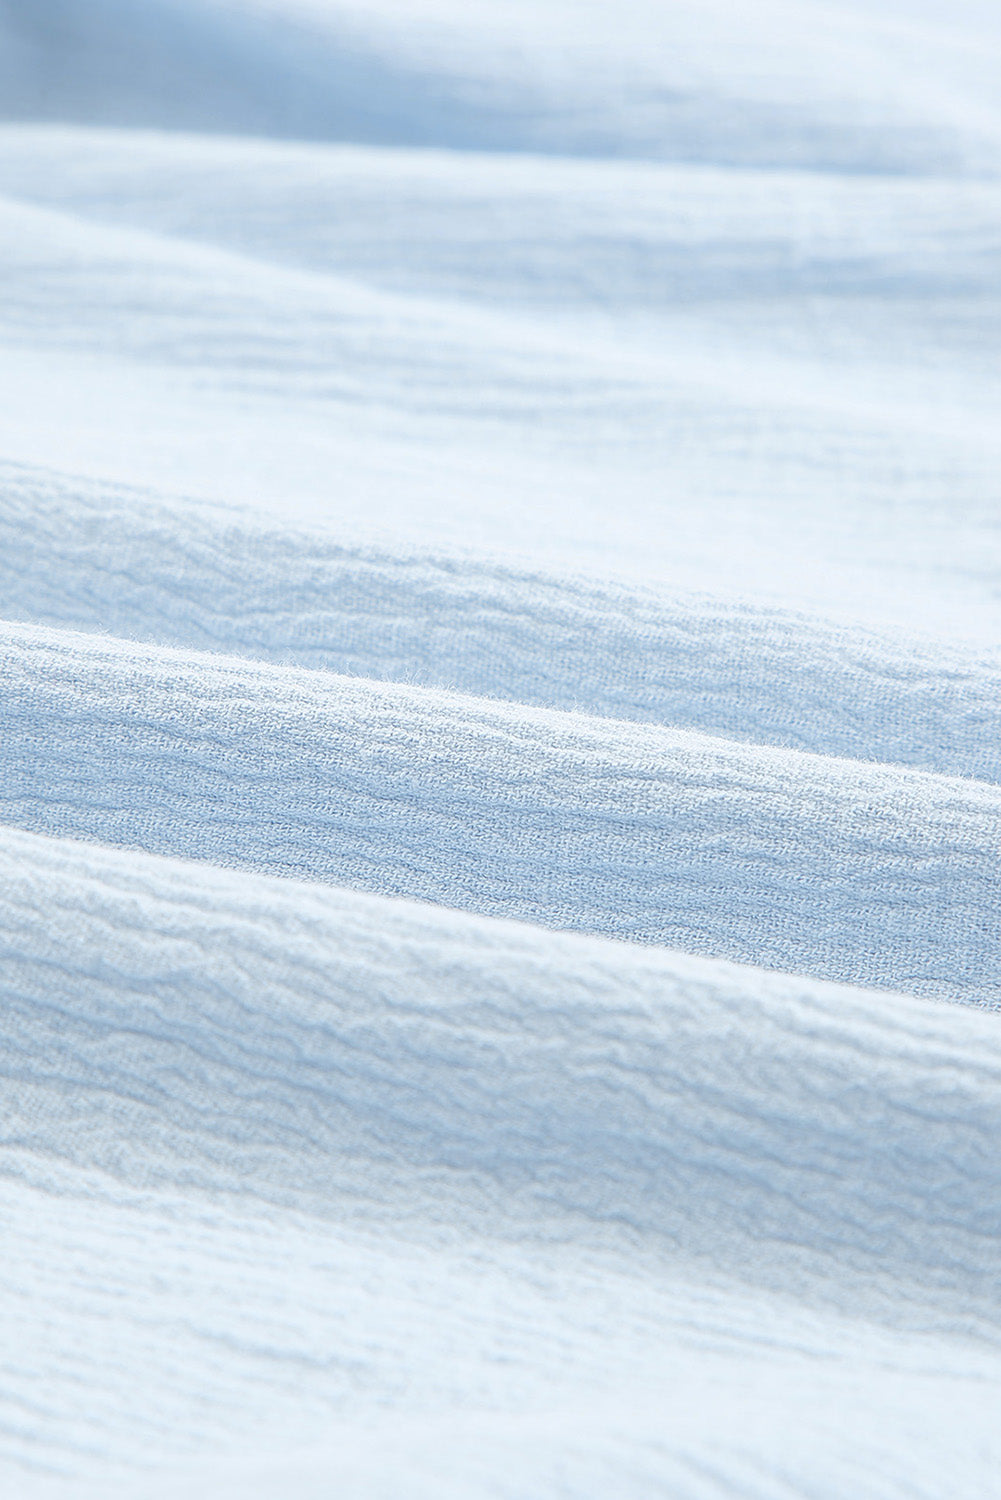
(500, 749)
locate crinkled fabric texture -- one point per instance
(500, 786)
